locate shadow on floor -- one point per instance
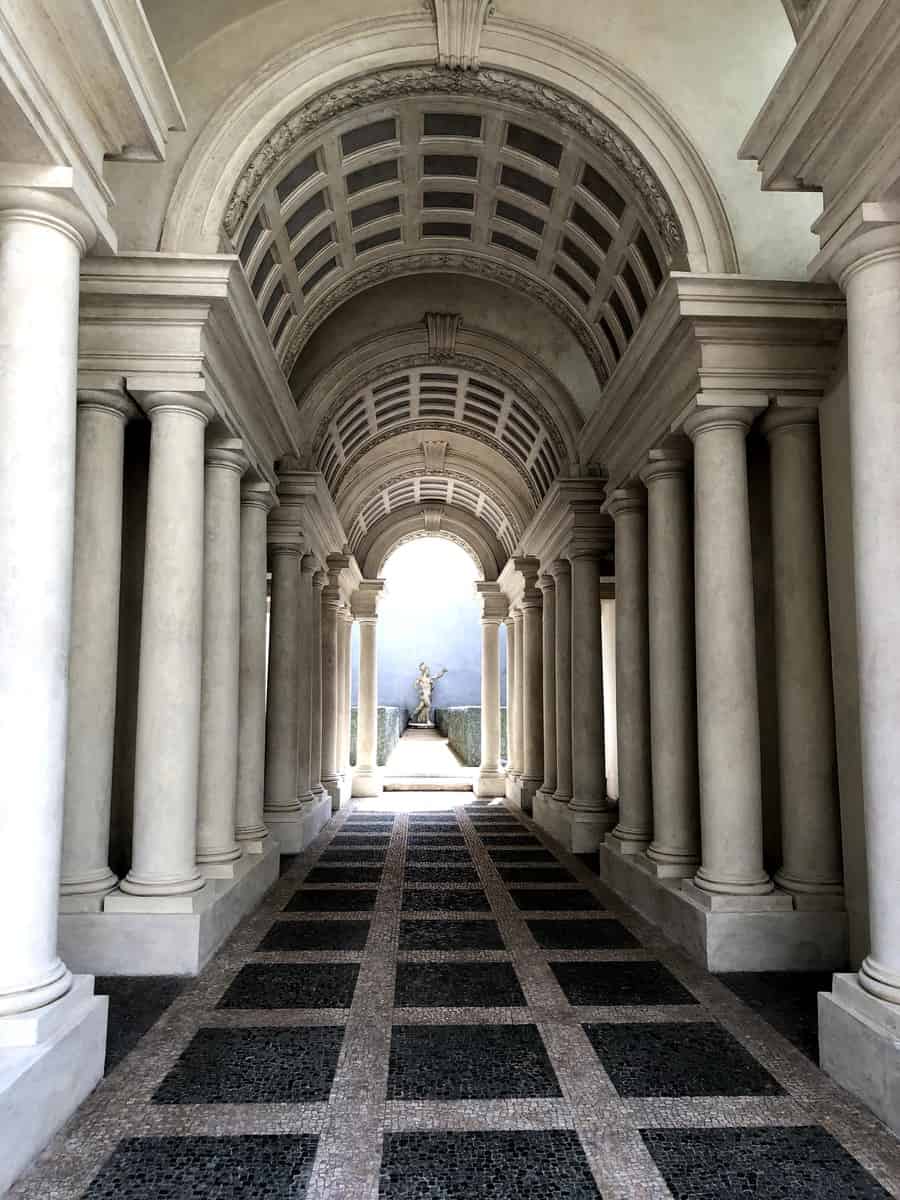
(136, 1002)
(786, 999)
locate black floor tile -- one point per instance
(445, 900)
(329, 874)
(788, 1000)
(534, 874)
(541, 1164)
(491, 827)
(371, 842)
(445, 854)
(554, 899)
(336, 900)
(677, 1059)
(292, 985)
(430, 818)
(450, 935)
(135, 1004)
(457, 985)
(286, 862)
(316, 935)
(444, 839)
(426, 827)
(515, 855)
(469, 1062)
(509, 839)
(271, 1167)
(582, 935)
(799, 1163)
(608, 983)
(340, 854)
(438, 873)
(365, 827)
(254, 1066)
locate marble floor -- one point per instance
(435, 1003)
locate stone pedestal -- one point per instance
(859, 1045)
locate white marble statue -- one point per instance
(425, 687)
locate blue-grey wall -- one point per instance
(432, 617)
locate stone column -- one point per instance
(810, 817)
(217, 849)
(518, 708)
(728, 716)
(628, 507)
(548, 659)
(562, 657)
(331, 599)
(319, 580)
(42, 240)
(675, 849)
(282, 730)
(491, 778)
(257, 500)
(589, 806)
(608, 639)
(872, 284)
(366, 776)
(512, 759)
(93, 657)
(345, 632)
(308, 708)
(532, 692)
(167, 755)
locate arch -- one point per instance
(462, 527)
(315, 67)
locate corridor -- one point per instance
(435, 1003)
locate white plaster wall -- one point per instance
(837, 483)
(711, 62)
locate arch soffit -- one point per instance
(203, 191)
(405, 524)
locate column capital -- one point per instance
(51, 208)
(281, 549)
(546, 583)
(310, 565)
(629, 499)
(494, 605)
(192, 404)
(560, 568)
(366, 598)
(114, 401)
(703, 418)
(256, 494)
(227, 454)
(788, 416)
(320, 580)
(666, 462)
(870, 235)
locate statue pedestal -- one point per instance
(419, 725)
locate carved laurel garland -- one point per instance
(460, 476)
(489, 83)
(461, 362)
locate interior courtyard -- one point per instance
(449, 623)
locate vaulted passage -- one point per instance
(420, 405)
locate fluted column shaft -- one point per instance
(307, 710)
(634, 830)
(872, 286)
(217, 849)
(330, 692)
(319, 581)
(548, 660)
(810, 818)
(93, 656)
(40, 250)
(284, 682)
(257, 500)
(673, 698)
(589, 805)
(562, 658)
(163, 861)
(727, 702)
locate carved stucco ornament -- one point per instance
(435, 454)
(442, 330)
(459, 26)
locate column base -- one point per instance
(253, 840)
(668, 868)
(729, 933)
(524, 790)
(50, 1061)
(140, 935)
(294, 831)
(490, 784)
(590, 823)
(859, 1046)
(86, 896)
(221, 866)
(553, 816)
(366, 783)
(338, 788)
(626, 843)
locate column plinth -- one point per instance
(628, 507)
(257, 501)
(93, 657)
(548, 659)
(675, 849)
(164, 845)
(217, 847)
(562, 577)
(727, 702)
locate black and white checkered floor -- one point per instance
(439, 1005)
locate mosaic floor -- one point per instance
(438, 1005)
